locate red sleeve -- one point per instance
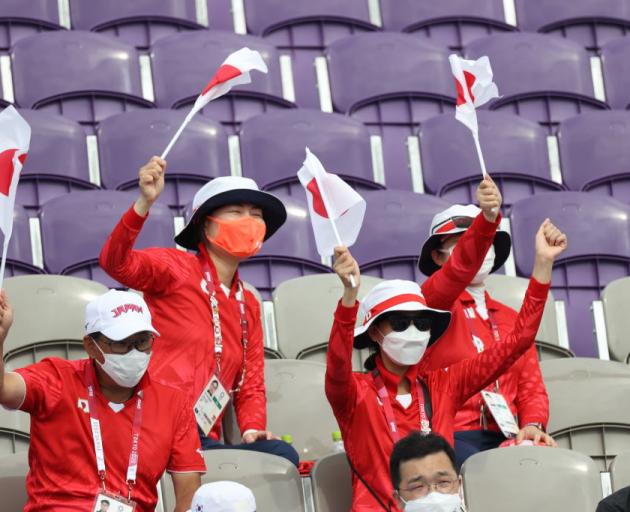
(250, 403)
(149, 270)
(470, 376)
(44, 387)
(442, 289)
(532, 402)
(186, 454)
(341, 389)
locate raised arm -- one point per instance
(12, 386)
(443, 288)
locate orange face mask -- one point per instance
(241, 237)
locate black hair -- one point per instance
(417, 446)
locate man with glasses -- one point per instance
(102, 431)
(423, 474)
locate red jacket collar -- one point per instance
(204, 258)
(391, 380)
(467, 300)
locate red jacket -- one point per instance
(355, 403)
(175, 291)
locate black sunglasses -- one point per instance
(400, 322)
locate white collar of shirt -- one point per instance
(226, 290)
(116, 407)
(478, 293)
(404, 400)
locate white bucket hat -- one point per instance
(223, 496)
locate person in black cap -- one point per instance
(210, 324)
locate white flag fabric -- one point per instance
(336, 209)
(15, 138)
(473, 80)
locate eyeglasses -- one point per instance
(442, 485)
(141, 343)
(400, 323)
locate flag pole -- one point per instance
(178, 133)
(482, 162)
(4, 260)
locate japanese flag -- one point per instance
(234, 71)
(15, 137)
(473, 80)
(336, 210)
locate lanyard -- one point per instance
(132, 469)
(425, 424)
(216, 320)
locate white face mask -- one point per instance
(126, 370)
(486, 267)
(435, 502)
(406, 348)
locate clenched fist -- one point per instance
(151, 184)
(489, 198)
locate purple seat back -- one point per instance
(75, 227)
(220, 15)
(452, 23)
(515, 152)
(543, 78)
(20, 19)
(138, 23)
(415, 83)
(57, 161)
(126, 140)
(595, 153)
(395, 226)
(591, 23)
(615, 58)
(598, 230)
(81, 75)
(341, 143)
(19, 253)
(178, 82)
(303, 29)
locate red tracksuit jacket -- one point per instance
(355, 403)
(183, 355)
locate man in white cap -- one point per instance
(102, 431)
(212, 343)
(224, 496)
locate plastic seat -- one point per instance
(57, 160)
(50, 322)
(311, 300)
(178, 82)
(511, 291)
(15, 429)
(594, 153)
(302, 29)
(616, 297)
(591, 23)
(587, 407)
(598, 229)
(395, 225)
(341, 143)
(275, 482)
(20, 19)
(76, 226)
(620, 471)
(615, 55)
(452, 23)
(332, 483)
(543, 78)
(138, 23)
(20, 254)
(220, 15)
(13, 471)
(392, 83)
(525, 478)
(514, 148)
(126, 140)
(84, 76)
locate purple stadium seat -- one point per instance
(19, 18)
(392, 83)
(598, 229)
(19, 253)
(57, 161)
(81, 75)
(452, 23)
(127, 140)
(220, 15)
(591, 23)
(178, 81)
(341, 143)
(595, 153)
(615, 58)
(395, 225)
(303, 29)
(515, 151)
(543, 78)
(139, 22)
(75, 227)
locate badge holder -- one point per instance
(501, 413)
(211, 404)
(114, 502)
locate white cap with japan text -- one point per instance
(118, 315)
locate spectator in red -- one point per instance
(478, 322)
(374, 410)
(102, 430)
(210, 324)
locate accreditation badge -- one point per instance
(211, 404)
